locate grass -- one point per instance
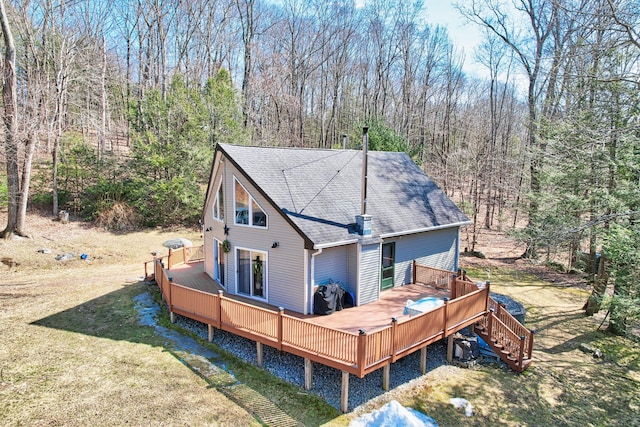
(564, 386)
(74, 354)
(306, 408)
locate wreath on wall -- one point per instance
(226, 246)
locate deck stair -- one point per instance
(508, 338)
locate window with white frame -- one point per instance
(252, 272)
(218, 204)
(247, 210)
(218, 262)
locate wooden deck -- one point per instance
(370, 317)
(356, 341)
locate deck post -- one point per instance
(453, 287)
(521, 350)
(450, 349)
(344, 395)
(279, 332)
(394, 324)
(184, 255)
(386, 373)
(259, 353)
(423, 360)
(530, 349)
(169, 259)
(308, 374)
(362, 351)
(446, 317)
(413, 269)
(220, 296)
(210, 330)
(487, 286)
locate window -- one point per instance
(247, 210)
(218, 204)
(252, 272)
(218, 262)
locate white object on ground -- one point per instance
(460, 403)
(393, 414)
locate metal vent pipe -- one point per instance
(365, 147)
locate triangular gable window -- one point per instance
(247, 210)
(218, 204)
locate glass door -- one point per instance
(388, 263)
(252, 273)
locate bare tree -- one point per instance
(11, 128)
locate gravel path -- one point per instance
(327, 382)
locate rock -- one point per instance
(460, 403)
(597, 354)
(177, 243)
(585, 348)
(64, 257)
(44, 251)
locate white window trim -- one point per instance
(250, 208)
(216, 264)
(216, 203)
(265, 272)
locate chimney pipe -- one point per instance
(363, 221)
(365, 147)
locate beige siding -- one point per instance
(331, 265)
(209, 222)
(285, 269)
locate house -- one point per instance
(280, 221)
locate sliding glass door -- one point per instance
(252, 273)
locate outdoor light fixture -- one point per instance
(207, 229)
(275, 245)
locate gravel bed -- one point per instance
(327, 382)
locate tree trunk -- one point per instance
(25, 183)
(11, 126)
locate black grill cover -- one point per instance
(328, 299)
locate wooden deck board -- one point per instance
(369, 317)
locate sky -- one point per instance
(465, 36)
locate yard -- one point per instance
(73, 352)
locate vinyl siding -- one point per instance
(369, 274)
(436, 249)
(352, 271)
(285, 269)
(331, 265)
(338, 264)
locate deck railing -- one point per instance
(516, 339)
(439, 279)
(358, 354)
(461, 287)
(184, 255)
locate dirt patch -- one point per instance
(503, 252)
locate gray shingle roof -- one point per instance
(319, 190)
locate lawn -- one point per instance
(74, 353)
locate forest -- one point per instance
(112, 110)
